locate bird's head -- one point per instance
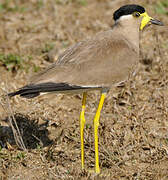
(135, 13)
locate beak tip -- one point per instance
(156, 22)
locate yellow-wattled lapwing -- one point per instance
(95, 64)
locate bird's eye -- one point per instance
(136, 14)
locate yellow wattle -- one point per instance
(145, 20)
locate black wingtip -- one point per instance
(24, 94)
(29, 96)
(34, 90)
(13, 94)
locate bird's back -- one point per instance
(101, 61)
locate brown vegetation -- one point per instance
(133, 135)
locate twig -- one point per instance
(16, 132)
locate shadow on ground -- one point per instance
(33, 134)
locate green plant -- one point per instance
(47, 47)
(65, 44)
(80, 2)
(20, 155)
(11, 61)
(162, 7)
(36, 68)
(39, 147)
(40, 4)
(6, 6)
(88, 126)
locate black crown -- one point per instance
(127, 9)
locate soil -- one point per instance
(133, 133)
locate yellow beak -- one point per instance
(147, 19)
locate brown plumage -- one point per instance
(99, 62)
(96, 63)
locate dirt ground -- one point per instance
(133, 133)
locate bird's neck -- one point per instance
(129, 30)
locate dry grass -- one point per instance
(133, 141)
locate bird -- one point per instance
(97, 63)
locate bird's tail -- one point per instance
(34, 90)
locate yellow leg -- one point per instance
(96, 125)
(82, 125)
